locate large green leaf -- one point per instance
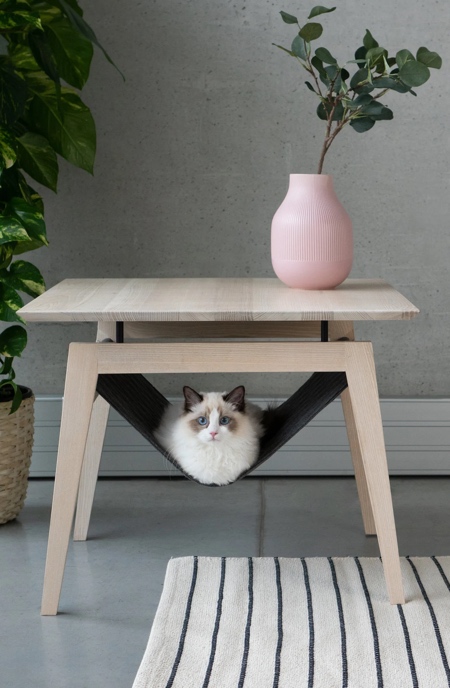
(11, 229)
(430, 59)
(38, 159)
(13, 95)
(68, 125)
(10, 302)
(18, 15)
(414, 73)
(13, 341)
(32, 220)
(71, 50)
(22, 58)
(311, 31)
(85, 30)
(26, 277)
(7, 149)
(42, 53)
(320, 9)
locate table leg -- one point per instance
(344, 330)
(360, 476)
(91, 464)
(363, 392)
(79, 393)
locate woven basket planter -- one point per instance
(16, 445)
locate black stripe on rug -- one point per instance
(376, 644)
(276, 678)
(185, 625)
(433, 619)
(216, 624)
(441, 571)
(412, 665)
(341, 624)
(310, 624)
(248, 624)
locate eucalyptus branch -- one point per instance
(400, 74)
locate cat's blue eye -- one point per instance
(202, 420)
(224, 420)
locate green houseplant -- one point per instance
(312, 243)
(46, 48)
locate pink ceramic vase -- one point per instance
(312, 242)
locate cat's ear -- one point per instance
(191, 398)
(236, 397)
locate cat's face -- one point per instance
(214, 417)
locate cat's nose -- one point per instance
(213, 434)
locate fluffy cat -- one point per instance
(213, 436)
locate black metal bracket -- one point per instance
(324, 330)
(119, 332)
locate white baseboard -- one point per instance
(417, 434)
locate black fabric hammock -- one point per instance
(142, 405)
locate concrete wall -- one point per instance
(194, 153)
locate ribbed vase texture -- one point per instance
(312, 239)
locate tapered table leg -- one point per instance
(91, 464)
(358, 466)
(363, 391)
(79, 392)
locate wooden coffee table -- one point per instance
(174, 314)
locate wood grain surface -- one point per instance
(214, 299)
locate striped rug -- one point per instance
(299, 623)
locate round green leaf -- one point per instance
(324, 109)
(369, 41)
(403, 56)
(318, 64)
(375, 55)
(298, 48)
(311, 31)
(13, 341)
(362, 124)
(429, 58)
(289, 18)
(358, 77)
(320, 9)
(325, 56)
(414, 73)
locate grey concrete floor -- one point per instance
(113, 581)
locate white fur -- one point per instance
(219, 460)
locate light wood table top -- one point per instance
(214, 299)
